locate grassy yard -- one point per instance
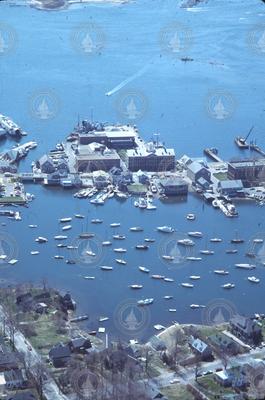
(221, 176)
(177, 392)
(210, 387)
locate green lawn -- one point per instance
(177, 392)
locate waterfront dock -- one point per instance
(213, 154)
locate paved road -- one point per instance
(50, 388)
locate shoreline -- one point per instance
(57, 5)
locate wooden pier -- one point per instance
(213, 154)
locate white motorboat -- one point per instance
(186, 242)
(187, 285)
(89, 278)
(106, 243)
(228, 286)
(192, 258)
(90, 253)
(96, 221)
(196, 234)
(191, 217)
(245, 266)
(80, 216)
(41, 239)
(145, 302)
(165, 229)
(135, 286)
(136, 229)
(149, 240)
(120, 250)
(156, 276)
(106, 268)
(115, 225)
(215, 240)
(143, 269)
(13, 261)
(167, 297)
(120, 261)
(207, 252)
(172, 310)
(221, 272)
(194, 306)
(119, 237)
(67, 219)
(168, 258)
(258, 241)
(33, 226)
(195, 277)
(231, 251)
(159, 327)
(169, 280)
(66, 227)
(60, 237)
(58, 257)
(253, 279)
(34, 252)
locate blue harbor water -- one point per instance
(45, 59)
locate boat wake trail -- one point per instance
(128, 80)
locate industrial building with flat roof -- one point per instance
(95, 157)
(251, 172)
(150, 157)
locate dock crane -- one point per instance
(241, 142)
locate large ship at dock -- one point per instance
(10, 127)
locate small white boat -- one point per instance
(13, 261)
(119, 237)
(253, 279)
(215, 240)
(33, 226)
(172, 310)
(70, 247)
(136, 229)
(106, 268)
(96, 221)
(194, 306)
(167, 297)
(159, 327)
(165, 229)
(120, 261)
(168, 279)
(106, 243)
(145, 302)
(115, 225)
(66, 227)
(221, 272)
(195, 234)
(67, 219)
(158, 276)
(150, 206)
(120, 250)
(195, 277)
(207, 252)
(245, 266)
(168, 258)
(60, 237)
(80, 216)
(3, 257)
(149, 240)
(191, 217)
(187, 285)
(192, 258)
(231, 251)
(136, 286)
(59, 257)
(34, 252)
(258, 241)
(143, 269)
(41, 239)
(89, 278)
(141, 247)
(103, 319)
(186, 242)
(228, 286)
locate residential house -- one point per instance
(174, 187)
(231, 188)
(23, 396)
(45, 164)
(247, 329)
(60, 355)
(201, 349)
(196, 170)
(79, 345)
(14, 379)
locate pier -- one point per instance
(213, 154)
(256, 148)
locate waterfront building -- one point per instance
(94, 157)
(246, 329)
(45, 164)
(231, 188)
(5, 166)
(112, 136)
(60, 355)
(251, 172)
(196, 170)
(150, 157)
(174, 187)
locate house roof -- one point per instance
(173, 182)
(195, 167)
(45, 158)
(80, 342)
(22, 396)
(231, 184)
(59, 351)
(223, 375)
(199, 345)
(246, 324)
